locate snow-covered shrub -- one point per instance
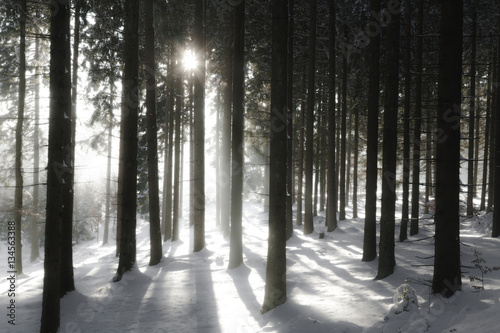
(405, 299)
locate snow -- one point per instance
(329, 288)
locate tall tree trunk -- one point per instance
(495, 232)
(236, 248)
(36, 158)
(486, 142)
(179, 93)
(199, 128)
(447, 275)
(18, 195)
(217, 161)
(311, 89)
(403, 232)
(275, 290)
(156, 252)
(471, 181)
(291, 110)
(369, 238)
(415, 188)
(169, 150)
(225, 181)
(355, 171)
(343, 141)
(387, 260)
(331, 209)
(129, 142)
(300, 158)
(60, 108)
(108, 168)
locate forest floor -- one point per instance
(329, 288)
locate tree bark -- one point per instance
(199, 128)
(236, 248)
(35, 253)
(415, 187)
(18, 195)
(311, 89)
(60, 108)
(471, 181)
(275, 290)
(369, 238)
(291, 109)
(129, 142)
(179, 93)
(447, 274)
(169, 151)
(331, 209)
(387, 260)
(156, 252)
(403, 232)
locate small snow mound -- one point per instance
(405, 299)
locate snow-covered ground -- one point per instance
(329, 288)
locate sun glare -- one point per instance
(189, 60)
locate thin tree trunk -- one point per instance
(331, 209)
(225, 180)
(486, 142)
(35, 253)
(300, 172)
(447, 275)
(156, 252)
(108, 170)
(236, 248)
(415, 188)
(199, 128)
(471, 181)
(275, 290)
(343, 141)
(403, 232)
(355, 171)
(495, 232)
(369, 240)
(179, 93)
(311, 89)
(18, 195)
(291, 110)
(169, 151)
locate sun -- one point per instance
(189, 60)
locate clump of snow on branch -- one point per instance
(405, 299)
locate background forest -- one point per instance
(183, 115)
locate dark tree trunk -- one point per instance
(447, 274)
(60, 107)
(291, 110)
(343, 141)
(387, 260)
(486, 142)
(415, 188)
(369, 240)
(199, 128)
(471, 181)
(108, 168)
(156, 252)
(179, 93)
(403, 232)
(496, 181)
(275, 290)
(331, 209)
(128, 144)
(18, 195)
(36, 158)
(169, 151)
(225, 180)
(311, 68)
(355, 170)
(236, 248)
(300, 157)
